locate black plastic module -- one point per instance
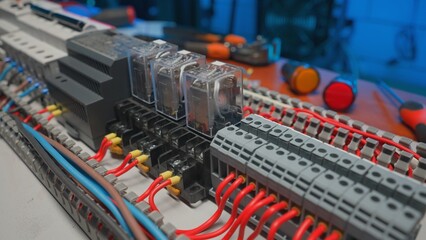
(170, 145)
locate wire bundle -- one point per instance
(100, 188)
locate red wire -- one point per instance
(126, 169)
(104, 141)
(209, 222)
(280, 221)
(231, 219)
(222, 186)
(320, 230)
(37, 127)
(335, 235)
(304, 226)
(28, 118)
(251, 211)
(122, 165)
(103, 151)
(365, 134)
(237, 222)
(268, 213)
(149, 189)
(155, 191)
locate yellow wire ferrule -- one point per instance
(142, 158)
(174, 180)
(116, 141)
(136, 153)
(51, 108)
(110, 136)
(166, 174)
(56, 113)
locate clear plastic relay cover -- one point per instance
(141, 83)
(167, 73)
(214, 97)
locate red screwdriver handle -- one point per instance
(414, 115)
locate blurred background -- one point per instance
(370, 39)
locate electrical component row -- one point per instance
(400, 154)
(328, 185)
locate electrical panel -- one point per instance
(358, 181)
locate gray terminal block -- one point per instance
(418, 200)
(340, 140)
(325, 134)
(308, 147)
(421, 149)
(358, 171)
(364, 216)
(420, 172)
(228, 143)
(405, 191)
(354, 144)
(262, 162)
(316, 201)
(285, 174)
(278, 111)
(405, 224)
(297, 142)
(370, 146)
(274, 134)
(313, 127)
(346, 205)
(304, 180)
(288, 117)
(385, 156)
(300, 122)
(285, 138)
(170, 230)
(403, 163)
(346, 163)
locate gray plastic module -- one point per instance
(76, 150)
(419, 172)
(143, 206)
(156, 217)
(297, 142)
(101, 170)
(325, 134)
(286, 137)
(405, 141)
(304, 180)
(274, 134)
(385, 156)
(370, 146)
(313, 126)
(354, 144)
(92, 163)
(300, 122)
(131, 197)
(421, 149)
(84, 156)
(120, 187)
(170, 230)
(289, 117)
(340, 140)
(347, 204)
(308, 147)
(359, 170)
(262, 162)
(111, 178)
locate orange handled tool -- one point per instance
(413, 114)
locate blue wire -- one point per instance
(7, 70)
(7, 106)
(86, 182)
(29, 90)
(141, 217)
(146, 222)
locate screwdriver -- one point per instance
(412, 113)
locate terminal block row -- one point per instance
(403, 156)
(170, 146)
(94, 220)
(349, 194)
